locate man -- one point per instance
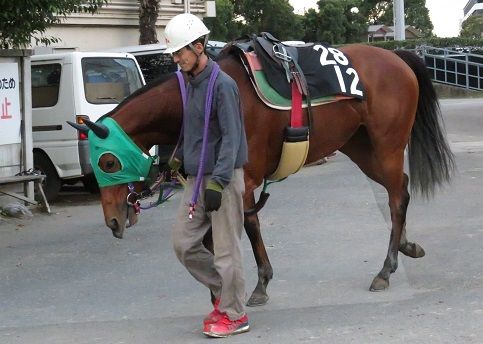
(220, 204)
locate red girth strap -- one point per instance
(296, 114)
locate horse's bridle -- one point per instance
(133, 198)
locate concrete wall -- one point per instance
(445, 91)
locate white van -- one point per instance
(70, 87)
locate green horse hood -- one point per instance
(135, 164)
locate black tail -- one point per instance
(431, 162)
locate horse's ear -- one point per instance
(82, 128)
(100, 130)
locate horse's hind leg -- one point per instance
(395, 182)
(386, 170)
(406, 247)
(265, 272)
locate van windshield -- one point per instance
(108, 80)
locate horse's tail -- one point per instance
(431, 162)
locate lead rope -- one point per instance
(208, 104)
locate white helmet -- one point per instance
(182, 30)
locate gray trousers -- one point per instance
(222, 272)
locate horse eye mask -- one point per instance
(135, 163)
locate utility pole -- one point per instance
(399, 25)
(187, 6)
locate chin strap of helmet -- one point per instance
(197, 63)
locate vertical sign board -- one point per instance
(10, 115)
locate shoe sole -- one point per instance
(242, 329)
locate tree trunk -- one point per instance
(148, 14)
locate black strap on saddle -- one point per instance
(281, 61)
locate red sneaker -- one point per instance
(225, 327)
(214, 315)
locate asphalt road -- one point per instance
(64, 278)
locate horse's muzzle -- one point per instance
(117, 231)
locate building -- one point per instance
(378, 33)
(473, 8)
(117, 24)
(386, 33)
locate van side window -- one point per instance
(109, 80)
(45, 84)
(155, 65)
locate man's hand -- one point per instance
(213, 196)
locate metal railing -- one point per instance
(453, 67)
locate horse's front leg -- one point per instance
(265, 273)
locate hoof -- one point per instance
(412, 250)
(379, 284)
(257, 300)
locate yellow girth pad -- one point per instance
(293, 158)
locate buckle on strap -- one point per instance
(280, 52)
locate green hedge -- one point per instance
(474, 45)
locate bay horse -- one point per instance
(400, 110)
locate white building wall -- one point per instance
(116, 25)
(473, 7)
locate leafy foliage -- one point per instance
(224, 27)
(274, 16)
(27, 20)
(470, 44)
(472, 27)
(337, 21)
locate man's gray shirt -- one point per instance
(226, 147)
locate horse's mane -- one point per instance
(155, 83)
(229, 51)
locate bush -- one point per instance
(471, 45)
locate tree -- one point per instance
(27, 20)
(274, 16)
(224, 27)
(148, 15)
(336, 22)
(374, 10)
(472, 27)
(381, 12)
(311, 27)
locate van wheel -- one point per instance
(90, 184)
(52, 182)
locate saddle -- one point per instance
(272, 66)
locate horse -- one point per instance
(400, 110)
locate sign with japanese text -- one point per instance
(10, 101)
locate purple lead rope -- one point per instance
(208, 104)
(182, 88)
